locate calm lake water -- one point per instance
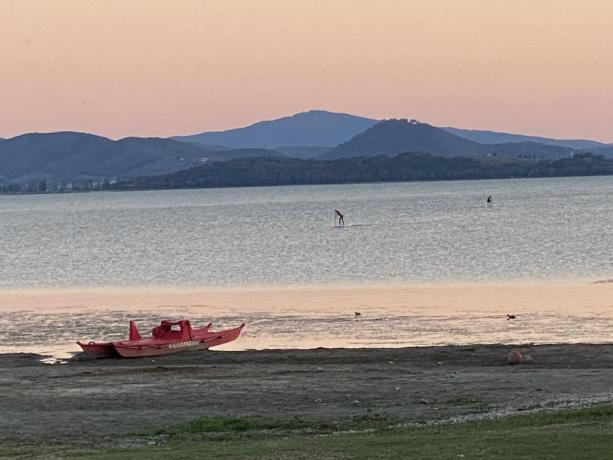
(406, 232)
(437, 232)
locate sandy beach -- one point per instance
(96, 403)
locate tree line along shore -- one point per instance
(272, 171)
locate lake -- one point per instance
(425, 264)
(400, 232)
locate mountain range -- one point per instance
(71, 156)
(329, 129)
(78, 156)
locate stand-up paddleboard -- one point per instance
(352, 225)
(344, 225)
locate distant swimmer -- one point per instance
(341, 218)
(489, 200)
(510, 317)
(357, 314)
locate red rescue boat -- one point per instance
(169, 337)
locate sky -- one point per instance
(159, 68)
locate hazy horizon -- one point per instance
(158, 68)
(272, 119)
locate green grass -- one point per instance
(230, 427)
(233, 425)
(583, 434)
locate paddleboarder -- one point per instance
(341, 218)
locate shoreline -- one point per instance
(79, 357)
(307, 317)
(514, 177)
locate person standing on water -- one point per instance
(489, 200)
(341, 218)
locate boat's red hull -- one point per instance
(214, 339)
(136, 350)
(99, 349)
(162, 343)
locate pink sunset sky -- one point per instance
(160, 68)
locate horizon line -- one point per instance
(172, 137)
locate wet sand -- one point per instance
(115, 402)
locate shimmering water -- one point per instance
(330, 325)
(437, 231)
(396, 233)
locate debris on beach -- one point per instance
(517, 357)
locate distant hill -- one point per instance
(404, 167)
(328, 135)
(76, 156)
(312, 128)
(391, 137)
(328, 129)
(493, 137)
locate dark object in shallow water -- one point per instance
(169, 337)
(357, 314)
(510, 317)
